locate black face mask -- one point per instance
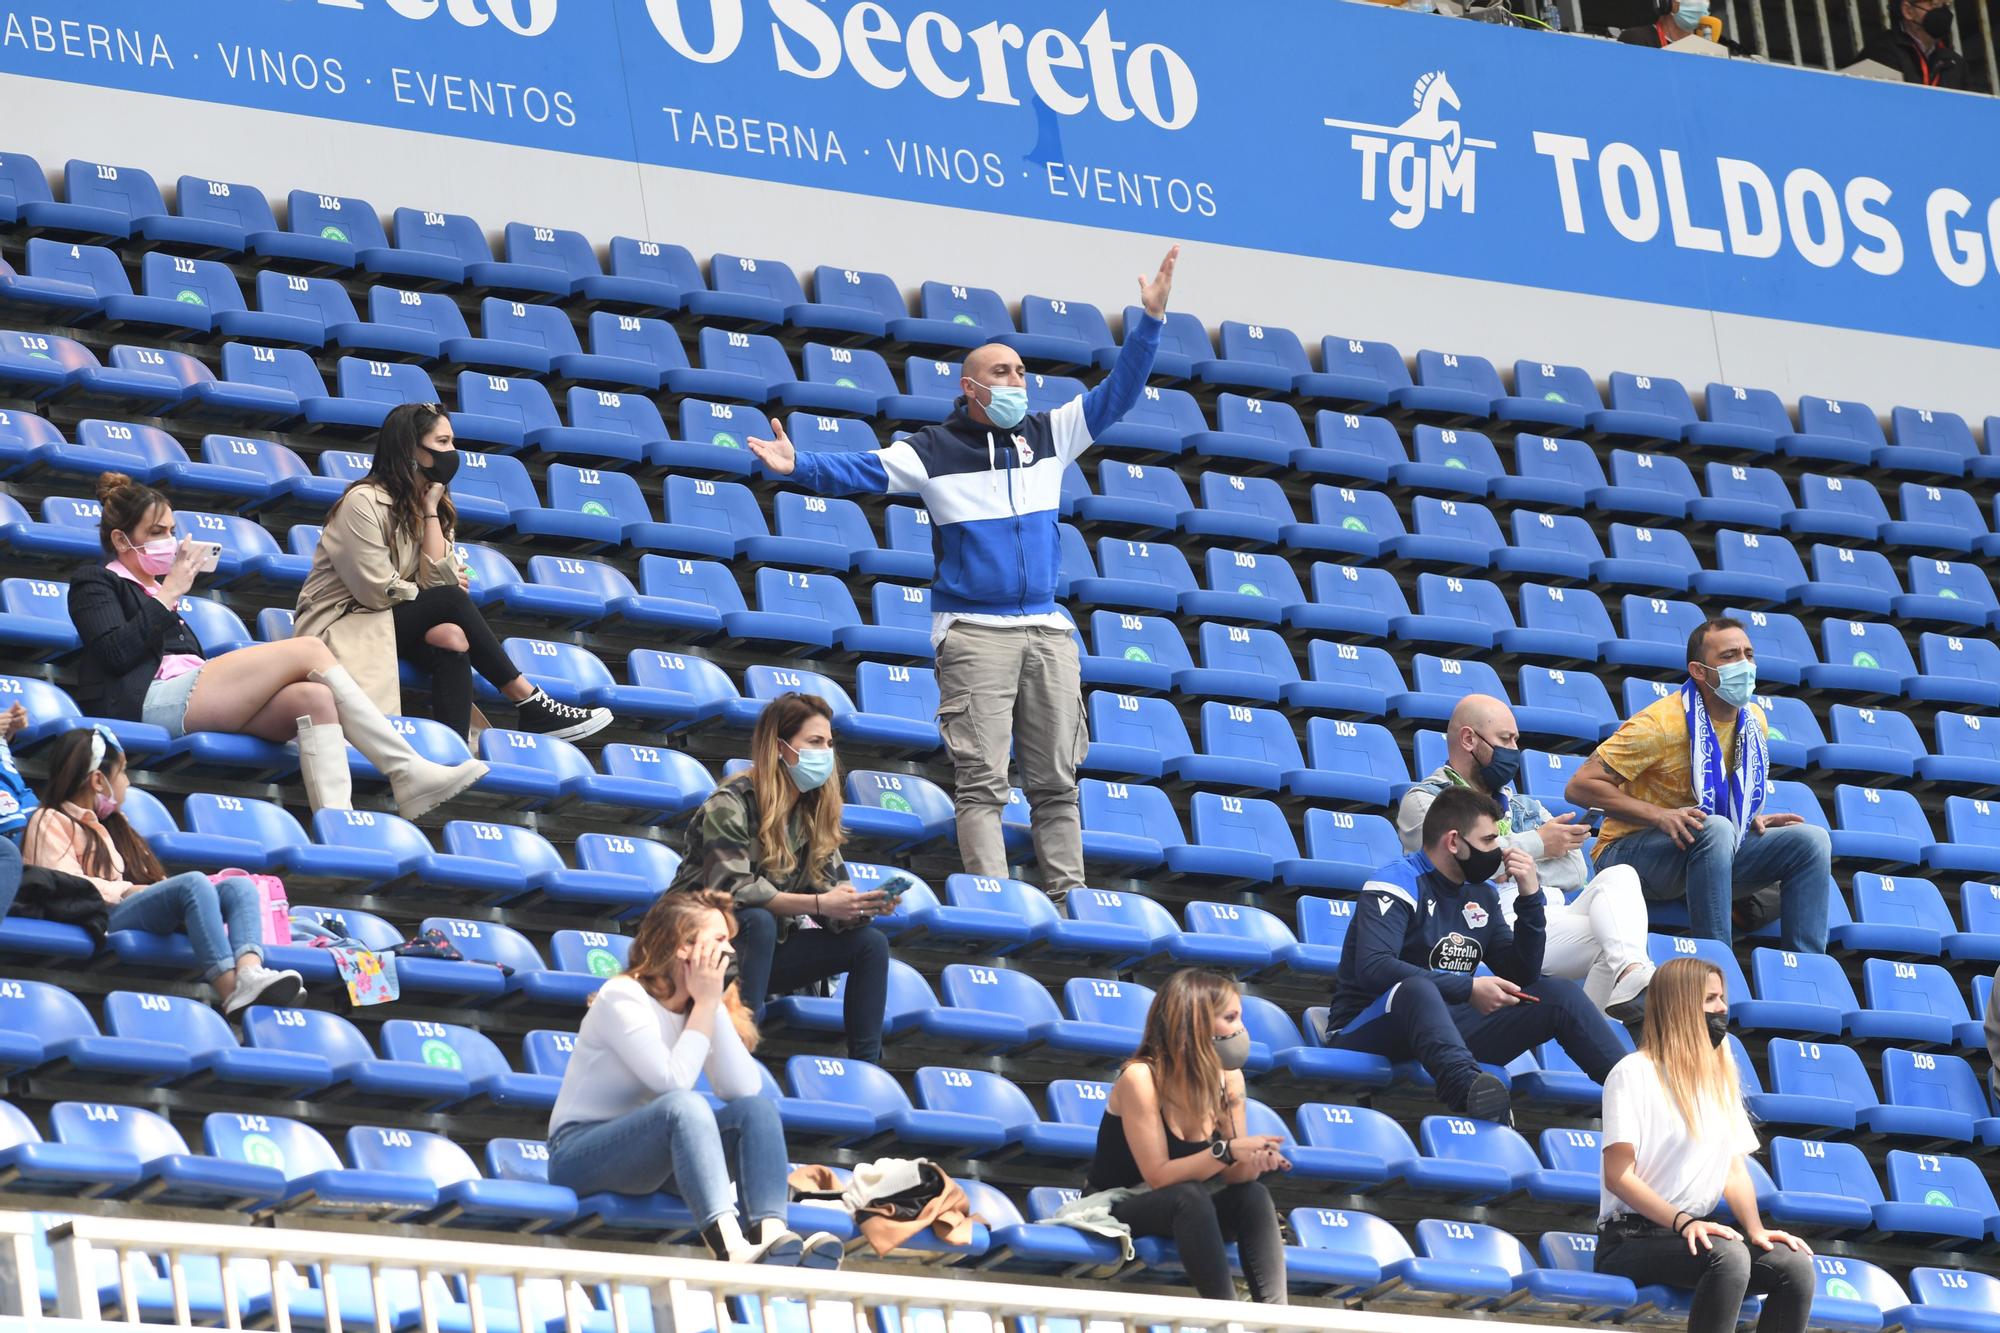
(442, 467)
(1938, 23)
(1477, 865)
(1718, 1027)
(729, 971)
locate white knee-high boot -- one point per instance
(323, 765)
(417, 784)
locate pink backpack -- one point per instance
(277, 908)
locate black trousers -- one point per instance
(1721, 1276)
(451, 672)
(764, 964)
(1201, 1221)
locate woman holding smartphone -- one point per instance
(142, 663)
(1675, 1133)
(770, 838)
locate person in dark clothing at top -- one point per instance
(1008, 674)
(1425, 923)
(1918, 45)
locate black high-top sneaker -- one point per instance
(550, 717)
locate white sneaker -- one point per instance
(254, 981)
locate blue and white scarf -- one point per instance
(1714, 781)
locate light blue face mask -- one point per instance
(1689, 14)
(812, 770)
(1735, 682)
(1006, 404)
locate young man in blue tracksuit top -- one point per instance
(1423, 926)
(1007, 671)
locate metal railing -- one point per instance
(684, 1295)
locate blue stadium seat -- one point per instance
(1966, 752)
(1847, 579)
(1658, 485)
(169, 1172)
(1646, 407)
(1131, 495)
(1462, 462)
(1127, 824)
(1742, 496)
(1654, 558)
(1941, 1083)
(1239, 663)
(1754, 568)
(901, 809)
(1354, 599)
(1561, 546)
(1362, 447)
(495, 1086)
(1937, 518)
(1138, 652)
(380, 849)
(1063, 333)
(1239, 839)
(1809, 993)
(1897, 915)
(1739, 419)
(1254, 356)
(317, 1183)
(1505, 1153)
(1952, 1301)
(1923, 999)
(1835, 432)
(1933, 1195)
(47, 366)
(1861, 658)
(1250, 509)
(1548, 471)
(356, 1075)
(1822, 1184)
(1656, 633)
(1347, 521)
(1256, 430)
(1144, 575)
(1450, 388)
(1346, 677)
(855, 1083)
(1357, 373)
(1455, 611)
(979, 1094)
(1957, 669)
(1559, 1293)
(1936, 443)
(1014, 1010)
(99, 271)
(1159, 423)
(1555, 396)
(1870, 740)
(1838, 507)
(465, 1198)
(1134, 736)
(1450, 532)
(1570, 624)
(1355, 761)
(1954, 592)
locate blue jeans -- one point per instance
(223, 921)
(10, 874)
(1714, 872)
(679, 1140)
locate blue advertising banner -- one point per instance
(1300, 126)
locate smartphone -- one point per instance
(211, 552)
(897, 884)
(1594, 817)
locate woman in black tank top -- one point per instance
(1173, 1129)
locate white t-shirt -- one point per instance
(1686, 1169)
(631, 1049)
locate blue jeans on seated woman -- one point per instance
(223, 921)
(679, 1141)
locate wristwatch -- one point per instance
(1218, 1148)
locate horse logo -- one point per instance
(1422, 161)
(1433, 89)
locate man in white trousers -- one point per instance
(1596, 924)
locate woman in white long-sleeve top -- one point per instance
(628, 1119)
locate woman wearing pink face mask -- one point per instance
(141, 662)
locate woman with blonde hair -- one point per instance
(1173, 1147)
(1675, 1134)
(770, 838)
(628, 1119)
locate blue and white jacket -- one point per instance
(1413, 922)
(993, 494)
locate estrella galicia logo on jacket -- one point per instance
(1023, 451)
(1455, 953)
(1475, 915)
(1422, 161)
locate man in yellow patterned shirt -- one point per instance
(1682, 784)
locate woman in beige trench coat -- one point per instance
(386, 585)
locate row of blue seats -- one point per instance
(279, 387)
(336, 233)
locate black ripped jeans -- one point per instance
(1200, 1220)
(451, 672)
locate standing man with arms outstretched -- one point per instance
(1007, 668)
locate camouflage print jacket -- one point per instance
(720, 853)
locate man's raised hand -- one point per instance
(1153, 291)
(776, 454)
